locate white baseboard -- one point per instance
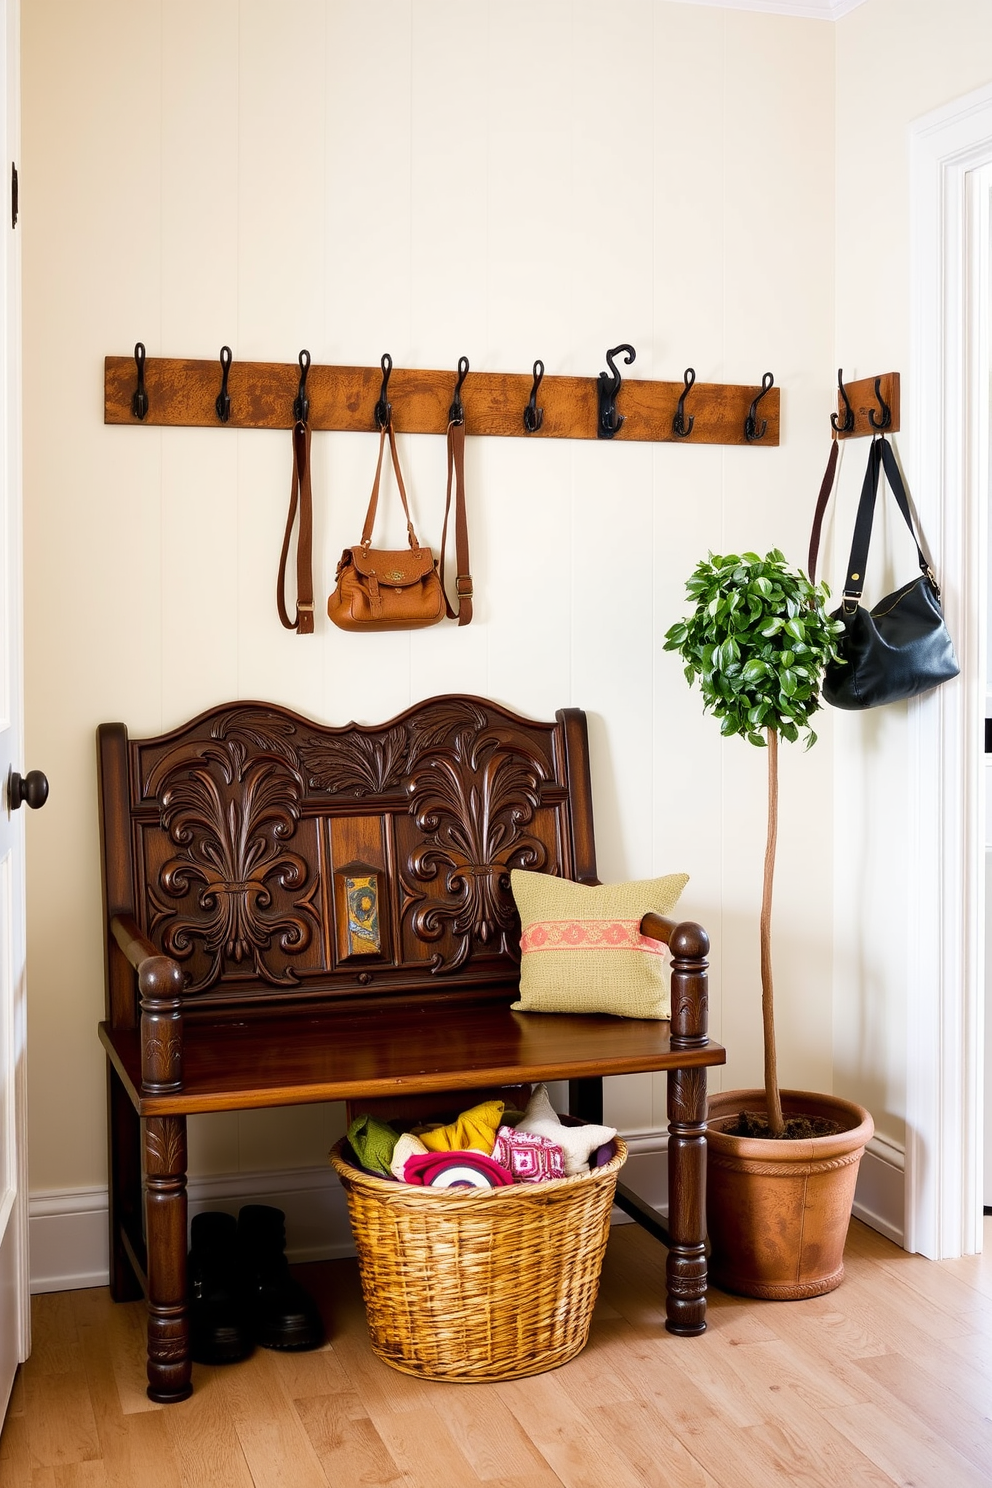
(68, 1227)
(646, 1172)
(68, 1235)
(880, 1197)
(67, 1239)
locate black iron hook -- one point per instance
(139, 402)
(384, 409)
(534, 416)
(456, 413)
(751, 430)
(608, 386)
(886, 419)
(301, 403)
(848, 424)
(679, 425)
(223, 403)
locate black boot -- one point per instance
(218, 1330)
(281, 1313)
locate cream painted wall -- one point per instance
(895, 62)
(501, 180)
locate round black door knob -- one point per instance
(32, 787)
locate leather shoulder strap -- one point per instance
(387, 430)
(826, 486)
(894, 477)
(463, 575)
(300, 494)
(880, 456)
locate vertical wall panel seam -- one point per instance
(240, 436)
(238, 43)
(654, 805)
(717, 1030)
(161, 331)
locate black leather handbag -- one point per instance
(901, 646)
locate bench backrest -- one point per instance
(280, 861)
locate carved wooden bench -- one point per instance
(296, 913)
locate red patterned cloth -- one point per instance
(468, 1169)
(528, 1157)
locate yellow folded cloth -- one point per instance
(475, 1129)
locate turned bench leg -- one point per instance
(169, 1365)
(686, 1267)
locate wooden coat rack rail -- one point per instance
(867, 406)
(185, 393)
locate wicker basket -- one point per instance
(479, 1284)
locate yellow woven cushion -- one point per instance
(581, 948)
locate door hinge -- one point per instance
(13, 194)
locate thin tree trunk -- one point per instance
(773, 1099)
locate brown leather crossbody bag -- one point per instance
(383, 588)
(401, 589)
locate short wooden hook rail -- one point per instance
(260, 395)
(867, 406)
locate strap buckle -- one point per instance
(466, 580)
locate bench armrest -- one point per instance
(160, 987)
(132, 940)
(689, 945)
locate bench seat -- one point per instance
(297, 1060)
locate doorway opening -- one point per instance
(951, 154)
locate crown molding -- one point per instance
(814, 10)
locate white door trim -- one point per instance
(15, 1013)
(951, 170)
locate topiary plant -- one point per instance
(757, 642)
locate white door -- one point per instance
(14, 1309)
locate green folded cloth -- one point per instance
(372, 1142)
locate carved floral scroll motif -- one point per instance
(472, 801)
(377, 762)
(230, 815)
(232, 889)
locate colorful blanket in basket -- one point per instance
(372, 1142)
(475, 1129)
(579, 1142)
(530, 1158)
(454, 1170)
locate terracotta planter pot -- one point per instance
(778, 1211)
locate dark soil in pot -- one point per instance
(797, 1128)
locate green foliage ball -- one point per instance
(758, 641)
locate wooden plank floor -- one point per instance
(886, 1381)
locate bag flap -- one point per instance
(394, 568)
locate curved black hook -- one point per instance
(751, 430)
(456, 413)
(848, 424)
(679, 425)
(886, 419)
(139, 401)
(301, 403)
(384, 409)
(608, 386)
(223, 402)
(534, 416)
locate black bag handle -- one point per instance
(880, 457)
